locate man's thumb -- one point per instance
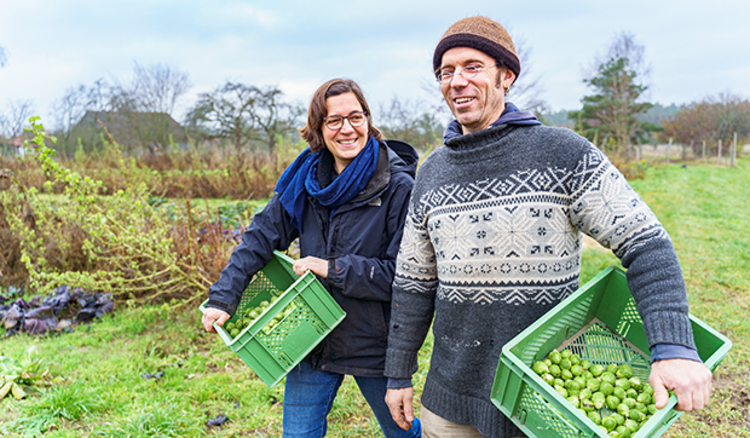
(661, 396)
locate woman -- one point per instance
(346, 198)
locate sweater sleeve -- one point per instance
(605, 207)
(414, 288)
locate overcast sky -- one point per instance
(695, 49)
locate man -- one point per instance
(492, 241)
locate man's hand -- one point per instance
(212, 315)
(399, 402)
(690, 381)
(318, 266)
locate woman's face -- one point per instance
(346, 142)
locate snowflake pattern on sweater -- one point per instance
(517, 239)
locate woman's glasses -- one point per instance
(355, 118)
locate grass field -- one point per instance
(99, 381)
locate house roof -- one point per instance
(133, 128)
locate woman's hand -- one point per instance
(318, 266)
(212, 315)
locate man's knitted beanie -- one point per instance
(482, 34)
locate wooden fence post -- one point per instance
(668, 146)
(718, 159)
(733, 160)
(704, 150)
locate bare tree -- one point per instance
(624, 46)
(16, 117)
(156, 88)
(404, 120)
(224, 112)
(71, 108)
(273, 117)
(3, 57)
(243, 114)
(527, 92)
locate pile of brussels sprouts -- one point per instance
(609, 395)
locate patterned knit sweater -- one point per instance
(492, 241)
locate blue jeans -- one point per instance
(308, 399)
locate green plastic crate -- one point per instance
(271, 352)
(600, 323)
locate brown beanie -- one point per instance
(482, 34)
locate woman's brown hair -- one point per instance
(312, 133)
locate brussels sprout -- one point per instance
(593, 384)
(624, 371)
(566, 375)
(565, 354)
(632, 393)
(632, 425)
(596, 370)
(618, 418)
(612, 402)
(599, 400)
(576, 370)
(573, 384)
(540, 368)
(234, 333)
(611, 368)
(587, 405)
(574, 401)
(623, 432)
(623, 410)
(575, 359)
(641, 407)
(565, 364)
(609, 423)
(585, 364)
(644, 398)
(629, 402)
(635, 415)
(608, 377)
(562, 391)
(555, 370)
(648, 389)
(623, 383)
(555, 356)
(585, 394)
(635, 382)
(595, 417)
(606, 388)
(619, 392)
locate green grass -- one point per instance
(96, 386)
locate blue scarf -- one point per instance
(301, 177)
(510, 116)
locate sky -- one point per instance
(694, 49)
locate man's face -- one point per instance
(475, 102)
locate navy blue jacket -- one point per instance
(360, 241)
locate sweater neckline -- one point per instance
(480, 145)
